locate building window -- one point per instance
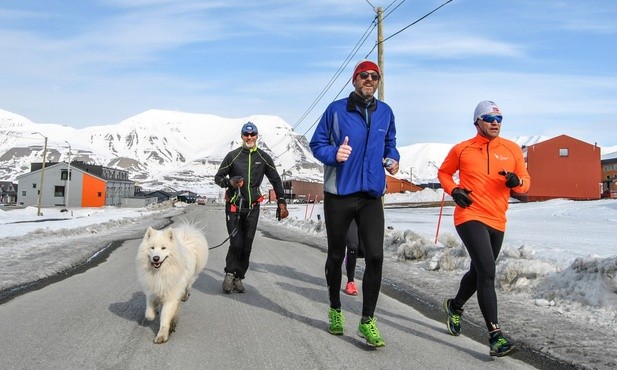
(23, 193)
(99, 194)
(58, 191)
(64, 175)
(33, 186)
(563, 152)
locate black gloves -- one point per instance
(236, 182)
(512, 180)
(461, 197)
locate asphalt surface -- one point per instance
(93, 318)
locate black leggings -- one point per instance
(483, 244)
(352, 250)
(339, 211)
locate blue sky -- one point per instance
(550, 65)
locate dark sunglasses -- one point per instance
(364, 75)
(251, 134)
(490, 118)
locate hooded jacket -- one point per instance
(372, 137)
(252, 164)
(479, 161)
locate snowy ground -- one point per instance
(557, 275)
(35, 247)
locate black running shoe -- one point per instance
(500, 345)
(454, 318)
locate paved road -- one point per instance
(94, 320)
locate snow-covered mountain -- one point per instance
(159, 148)
(182, 151)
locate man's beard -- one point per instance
(363, 94)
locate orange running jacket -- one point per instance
(479, 161)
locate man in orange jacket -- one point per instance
(489, 168)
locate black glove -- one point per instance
(461, 197)
(512, 180)
(236, 181)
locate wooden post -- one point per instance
(381, 93)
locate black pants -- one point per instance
(368, 212)
(354, 250)
(241, 225)
(483, 244)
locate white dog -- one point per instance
(168, 263)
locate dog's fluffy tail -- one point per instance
(194, 240)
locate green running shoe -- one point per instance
(454, 318)
(370, 332)
(500, 346)
(336, 322)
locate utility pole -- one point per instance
(381, 93)
(380, 86)
(38, 205)
(68, 180)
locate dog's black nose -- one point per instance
(156, 258)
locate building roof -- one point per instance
(559, 137)
(609, 156)
(63, 165)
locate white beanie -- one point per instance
(485, 107)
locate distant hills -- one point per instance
(182, 151)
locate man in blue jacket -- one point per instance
(355, 140)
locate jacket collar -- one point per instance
(244, 148)
(355, 101)
(483, 140)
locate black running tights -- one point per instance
(369, 215)
(483, 244)
(352, 251)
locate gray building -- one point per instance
(87, 186)
(8, 192)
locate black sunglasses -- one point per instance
(249, 134)
(364, 75)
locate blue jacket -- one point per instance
(371, 141)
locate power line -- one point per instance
(396, 7)
(333, 79)
(411, 24)
(387, 7)
(338, 71)
(426, 15)
(348, 60)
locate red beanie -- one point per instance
(365, 65)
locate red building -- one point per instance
(609, 176)
(563, 167)
(394, 185)
(297, 191)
